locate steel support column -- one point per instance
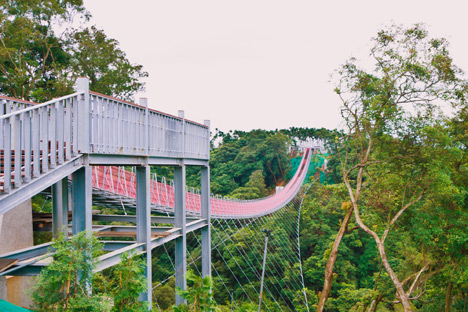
(143, 223)
(82, 190)
(206, 214)
(180, 222)
(60, 207)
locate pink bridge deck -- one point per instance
(122, 182)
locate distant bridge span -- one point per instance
(120, 184)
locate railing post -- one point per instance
(180, 222)
(181, 114)
(144, 102)
(84, 117)
(143, 224)
(207, 149)
(206, 214)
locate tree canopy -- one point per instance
(398, 161)
(45, 46)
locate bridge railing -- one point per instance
(36, 138)
(9, 105)
(120, 127)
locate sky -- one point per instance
(260, 64)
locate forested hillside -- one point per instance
(382, 228)
(391, 234)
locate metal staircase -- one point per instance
(38, 146)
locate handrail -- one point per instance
(143, 107)
(8, 98)
(40, 105)
(38, 138)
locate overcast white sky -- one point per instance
(249, 64)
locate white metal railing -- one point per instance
(9, 105)
(36, 139)
(120, 127)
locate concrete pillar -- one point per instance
(3, 288)
(206, 214)
(180, 222)
(16, 233)
(143, 223)
(16, 228)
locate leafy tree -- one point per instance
(391, 160)
(128, 282)
(94, 55)
(64, 284)
(255, 188)
(198, 294)
(43, 51)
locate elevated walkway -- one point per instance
(49, 144)
(82, 139)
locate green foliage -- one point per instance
(198, 294)
(255, 188)
(164, 296)
(39, 63)
(128, 282)
(235, 160)
(401, 160)
(99, 58)
(64, 284)
(69, 284)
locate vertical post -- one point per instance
(144, 102)
(206, 214)
(267, 232)
(84, 117)
(143, 223)
(60, 207)
(180, 222)
(181, 114)
(82, 200)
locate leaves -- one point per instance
(44, 48)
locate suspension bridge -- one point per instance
(91, 149)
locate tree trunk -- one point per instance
(331, 261)
(401, 292)
(448, 296)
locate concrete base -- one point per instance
(19, 290)
(3, 288)
(16, 232)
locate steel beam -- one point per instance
(115, 245)
(180, 242)
(140, 160)
(26, 191)
(132, 219)
(113, 258)
(206, 214)
(60, 207)
(30, 252)
(82, 200)
(143, 224)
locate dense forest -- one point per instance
(386, 231)
(383, 229)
